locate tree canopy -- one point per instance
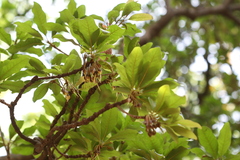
(115, 94)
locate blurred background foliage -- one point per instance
(203, 55)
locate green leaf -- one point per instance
(130, 7)
(55, 87)
(9, 67)
(40, 92)
(177, 153)
(132, 65)
(13, 86)
(123, 75)
(39, 17)
(208, 141)
(50, 26)
(36, 51)
(26, 27)
(72, 6)
(49, 108)
(23, 149)
(224, 139)
(66, 16)
(108, 122)
(24, 45)
(141, 17)
(115, 32)
(184, 132)
(37, 64)
(151, 67)
(198, 152)
(4, 51)
(70, 63)
(123, 135)
(112, 15)
(64, 39)
(81, 11)
(89, 29)
(87, 86)
(5, 37)
(188, 123)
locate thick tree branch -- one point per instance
(155, 29)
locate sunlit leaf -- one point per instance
(150, 68)
(188, 123)
(132, 65)
(39, 17)
(5, 37)
(130, 7)
(27, 28)
(224, 139)
(184, 132)
(208, 141)
(9, 67)
(141, 17)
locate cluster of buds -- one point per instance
(151, 122)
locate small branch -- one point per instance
(3, 102)
(90, 93)
(6, 146)
(86, 121)
(17, 129)
(52, 45)
(155, 29)
(133, 116)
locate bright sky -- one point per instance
(98, 7)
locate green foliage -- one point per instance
(99, 105)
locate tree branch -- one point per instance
(155, 29)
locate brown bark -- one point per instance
(225, 9)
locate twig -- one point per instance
(6, 146)
(86, 121)
(3, 102)
(133, 116)
(54, 46)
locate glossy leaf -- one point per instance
(132, 65)
(9, 67)
(141, 17)
(39, 17)
(208, 141)
(40, 92)
(130, 7)
(224, 139)
(5, 37)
